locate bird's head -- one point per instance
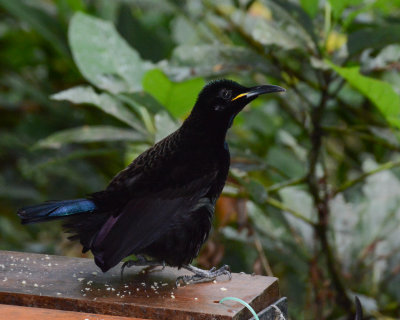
(223, 99)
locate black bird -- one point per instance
(161, 206)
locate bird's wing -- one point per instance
(145, 219)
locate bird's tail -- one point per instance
(52, 210)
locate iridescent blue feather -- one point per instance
(55, 209)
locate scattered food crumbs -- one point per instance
(215, 281)
(2, 266)
(196, 298)
(23, 282)
(137, 289)
(5, 279)
(59, 293)
(81, 279)
(36, 285)
(80, 271)
(223, 289)
(89, 282)
(87, 289)
(172, 296)
(108, 289)
(47, 257)
(74, 275)
(112, 289)
(94, 273)
(49, 264)
(164, 284)
(84, 295)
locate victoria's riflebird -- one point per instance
(160, 207)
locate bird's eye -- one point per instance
(226, 94)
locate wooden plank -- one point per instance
(76, 284)
(8, 312)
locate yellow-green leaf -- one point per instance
(379, 92)
(177, 97)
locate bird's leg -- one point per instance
(201, 275)
(141, 262)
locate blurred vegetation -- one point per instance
(313, 195)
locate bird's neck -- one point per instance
(204, 130)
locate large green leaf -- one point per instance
(339, 5)
(103, 56)
(266, 32)
(43, 23)
(104, 101)
(310, 6)
(211, 60)
(375, 38)
(177, 97)
(88, 134)
(379, 92)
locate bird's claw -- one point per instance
(141, 262)
(203, 275)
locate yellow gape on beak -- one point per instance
(239, 95)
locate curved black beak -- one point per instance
(254, 92)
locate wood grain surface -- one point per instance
(76, 284)
(8, 312)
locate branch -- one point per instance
(276, 187)
(349, 184)
(321, 198)
(279, 205)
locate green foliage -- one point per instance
(176, 97)
(103, 57)
(379, 92)
(307, 196)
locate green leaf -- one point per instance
(210, 60)
(39, 20)
(375, 38)
(339, 5)
(310, 6)
(103, 56)
(293, 20)
(165, 125)
(266, 32)
(104, 101)
(379, 92)
(177, 97)
(88, 134)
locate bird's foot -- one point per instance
(141, 262)
(201, 275)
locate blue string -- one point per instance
(243, 303)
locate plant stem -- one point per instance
(321, 198)
(349, 184)
(279, 205)
(276, 187)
